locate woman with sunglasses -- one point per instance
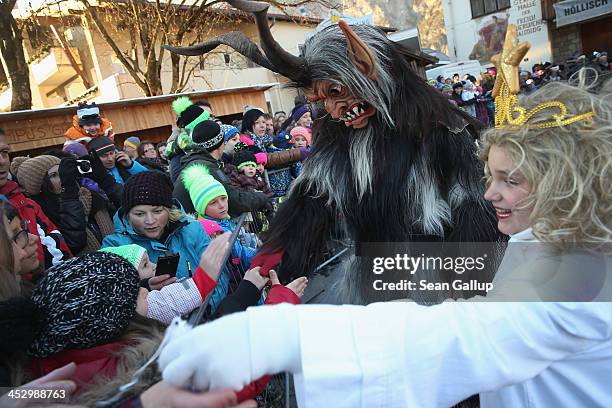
(22, 257)
(148, 157)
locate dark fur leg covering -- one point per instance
(302, 228)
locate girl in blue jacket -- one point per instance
(210, 201)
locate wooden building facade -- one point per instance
(34, 131)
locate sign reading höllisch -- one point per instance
(573, 11)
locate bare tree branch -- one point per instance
(152, 23)
(91, 11)
(134, 46)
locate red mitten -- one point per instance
(266, 260)
(282, 294)
(253, 389)
(204, 283)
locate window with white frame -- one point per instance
(484, 7)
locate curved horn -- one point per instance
(237, 40)
(285, 62)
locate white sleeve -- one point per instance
(402, 354)
(173, 301)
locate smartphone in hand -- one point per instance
(167, 265)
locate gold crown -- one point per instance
(507, 86)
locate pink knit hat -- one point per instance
(261, 158)
(246, 140)
(210, 227)
(301, 131)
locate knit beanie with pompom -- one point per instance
(243, 157)
(189, 115)
(16, 162)
(87, 301)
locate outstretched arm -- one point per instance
(402, 353)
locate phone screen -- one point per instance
(167, 265)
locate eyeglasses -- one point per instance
(22, 238)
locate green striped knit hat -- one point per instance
(189, 115)
(131, 253)
(202, 187)
(243, 157)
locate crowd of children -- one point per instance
(94, 211)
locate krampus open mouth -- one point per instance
(357, 114)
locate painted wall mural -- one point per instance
(491, 33)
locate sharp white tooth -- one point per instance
(360, 111)
(356, 110)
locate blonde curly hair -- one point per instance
(569, 168)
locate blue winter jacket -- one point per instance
(135, 169)
(188, 239)
(244, 252)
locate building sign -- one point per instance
(334, 18)
(26, 134)
(482, 37)
(573, 11)
(527, 16)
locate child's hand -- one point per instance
(212, 257)
(158, 282)
(297, 286)
(253, 276)
(166, 395)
